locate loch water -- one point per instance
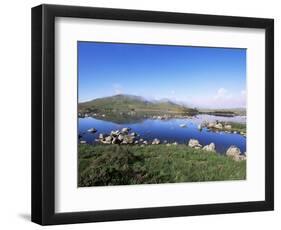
(169, 130)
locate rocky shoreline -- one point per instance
(126, 137)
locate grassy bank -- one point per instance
(120, 165)
(239, 127)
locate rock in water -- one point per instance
(183, 125)
(107, 140)
(228, 127)
(218, 126)
(92, 130)
(133, 134)
(120, 137)
(125, 130)
(211, 147)
(115, 133)
(155, 142)
(211, 124)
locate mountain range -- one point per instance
(131, 103)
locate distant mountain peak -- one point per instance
(126, 95)
(128, 102)
(137, 98)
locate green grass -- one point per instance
(239, 127)
(123, 165)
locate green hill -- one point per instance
(121, 106)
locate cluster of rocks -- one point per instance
(89, 114)
(122, 136)
(193, 143)
(215, 125)
(232, 152)
(218, 126)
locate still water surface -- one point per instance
(170, 130)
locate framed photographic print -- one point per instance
(142, 114)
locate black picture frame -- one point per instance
(43, 114)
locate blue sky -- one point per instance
(196, 76)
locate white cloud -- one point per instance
(117, 89)
(222, 93)
(222, 98)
